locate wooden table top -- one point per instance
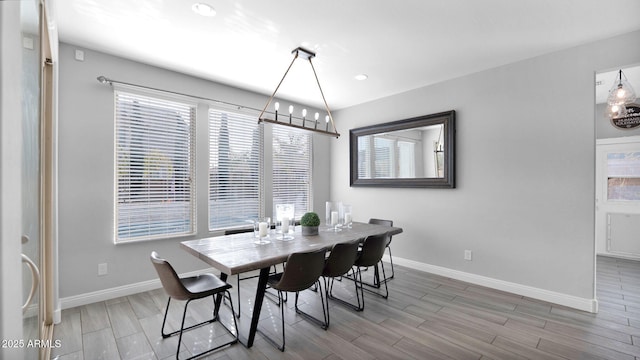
(238, 253)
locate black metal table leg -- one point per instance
(219, 297)
(257, 306)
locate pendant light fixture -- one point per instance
(301, 122)
(620, 95)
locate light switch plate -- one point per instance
(467, 255)
(102, 269)
(27, 43)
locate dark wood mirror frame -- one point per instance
(446, 118)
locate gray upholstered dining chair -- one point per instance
(188, 289)
(302, 270)
(340, 261)
(377, 278)
(371, 254)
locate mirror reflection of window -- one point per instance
(406, 159)
(364, 157)
(407, 154)
(384, 156)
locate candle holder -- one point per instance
(348, 216)
(285, 221)
(334, 215)
(261, 231)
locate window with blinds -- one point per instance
(155, 194)
(235, 168)
(292, 168)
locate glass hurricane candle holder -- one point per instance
(285, 221)
(334, 214)
(261, 230)
(348, 216)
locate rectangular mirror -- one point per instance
(416, 152)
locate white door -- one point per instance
(618, 197)
(30, 174)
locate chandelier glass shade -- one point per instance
(621, 94)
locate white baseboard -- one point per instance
(584, 304)
(112, 293)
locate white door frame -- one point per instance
(10, 176)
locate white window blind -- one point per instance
(292, 168)
(383, 155)
(364, 157)
(154, 167)
(235, 165)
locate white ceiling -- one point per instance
(400, 45)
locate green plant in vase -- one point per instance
(310, 222)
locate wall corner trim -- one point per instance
(584, 304)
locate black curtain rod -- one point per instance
(104, 80)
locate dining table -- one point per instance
(244, 252)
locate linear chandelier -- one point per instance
(315, 125)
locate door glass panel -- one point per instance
(623, 176)
(29, 20)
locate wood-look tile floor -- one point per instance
(425, 317)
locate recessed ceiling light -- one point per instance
(361, 77)
(203, 9)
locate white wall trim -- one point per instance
(112, 293)
(618, 140)
(584, 304)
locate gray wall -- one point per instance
(86, 171)
(524, 202)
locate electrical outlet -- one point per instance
(102, 269)
(79, 55)
(467, 255)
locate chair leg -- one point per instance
(239, 301)
(386, 289)
(267, 337)
(376, 276)
(391, 261)
(164, 320)
(377, 280)
(184, 315)
(323, 324)
(215, 318)
(359, 296)
(182, 329)
(282, 317)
